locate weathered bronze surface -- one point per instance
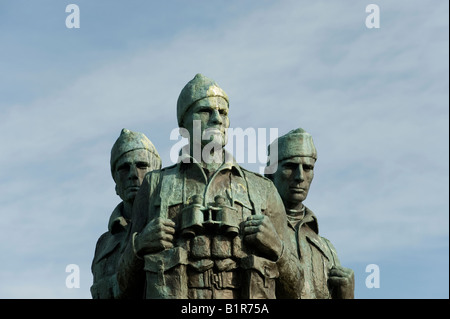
(132, 156)
(206, 228)
(324, 277)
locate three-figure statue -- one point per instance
(206, 228)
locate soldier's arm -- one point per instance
(342, 279)
(290, 281)
(100, 288)
(130, 274)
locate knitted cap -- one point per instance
(130, 141)
(196, 89)
(295, 143)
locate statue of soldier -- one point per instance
(205, 228)
(132, 156)
(292, 174)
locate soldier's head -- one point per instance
(132, 156)
(202, 102)
(293, 171)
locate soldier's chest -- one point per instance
(178, 191)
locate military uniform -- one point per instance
(210, 260)
(316, 254)
(296, 154)
(106, 257)
(111, 244)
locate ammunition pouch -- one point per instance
(259, 278)
(208, 279)
(166, 276)
(106, 288)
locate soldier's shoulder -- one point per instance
(103, 237)
(254, 175)
(255, 178)
(331, 248)
(101, 242)
(157, 172)
(165, 169)
(328, 242)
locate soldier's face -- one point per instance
(129, 173)
(212, 115)
(293, 179)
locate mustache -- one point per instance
(214, 128)
(132, 186)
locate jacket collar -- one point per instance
(310, 219)
(185, 161)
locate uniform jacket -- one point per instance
(106, 257)
(317, 256)
(164, 192)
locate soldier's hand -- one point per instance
(342, 281)
(260, 232)
(156, 236)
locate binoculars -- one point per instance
(219, 217)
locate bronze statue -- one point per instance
(132, 156)
(206, 228)
(324, 277)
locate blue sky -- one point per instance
(376, 102)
